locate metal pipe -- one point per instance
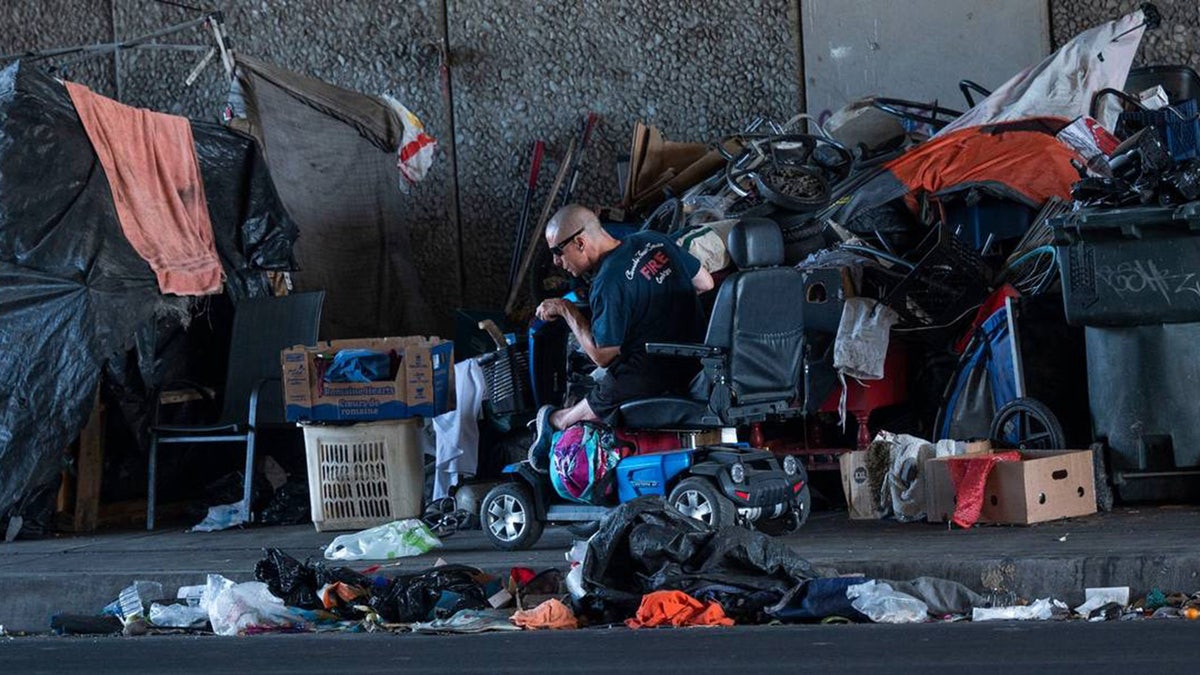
(1160, 474)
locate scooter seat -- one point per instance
(667, 412)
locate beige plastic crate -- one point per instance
(365, 474)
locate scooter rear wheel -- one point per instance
(509, 517)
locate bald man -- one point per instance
(644, 290)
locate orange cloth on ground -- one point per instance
(676, 608)
(150, 161)
(552, 614)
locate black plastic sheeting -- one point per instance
(645, 546)
(74, 295)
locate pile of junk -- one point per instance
(648, 566)
(1016, 273)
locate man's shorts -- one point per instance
(640, 376)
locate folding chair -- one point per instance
(262, 328)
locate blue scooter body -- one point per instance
(642, 475)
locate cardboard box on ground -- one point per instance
(423, 385)
(1044, 485)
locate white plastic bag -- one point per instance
(883, 604)
(397, 539)
(575, 558)
(1040, 610)
(247, 605)
(177, 616)
(213, 587)
(221, 517)
(415, 154)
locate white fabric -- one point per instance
(1063, 84)
(862, 338)
(458, 430)
(861, 344)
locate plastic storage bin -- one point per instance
(1180, 82)
(362, 475)
(1130, 267)
(1143, 395)
(979, 218)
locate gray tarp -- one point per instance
(324, 146)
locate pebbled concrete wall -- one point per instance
(520, 72)
(530, 70)
(1176, 41)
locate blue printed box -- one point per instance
(423, 385)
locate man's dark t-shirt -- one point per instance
(642, 292)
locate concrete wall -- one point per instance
(1177, 41)
(519, 71)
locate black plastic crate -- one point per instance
(1130, 267)
(1177, 126)
(949, 280)
(506, 374)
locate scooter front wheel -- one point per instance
(509, 518)
(698, 498)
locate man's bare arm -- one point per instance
(703, 281)
(580, 326)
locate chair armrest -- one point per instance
(254, 394)
(685, 350)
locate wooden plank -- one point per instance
(174, 396)
(90, 469)
(536, 237)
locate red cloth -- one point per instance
(521, 575)
(676, 608)
(969, 474)
(150, 161)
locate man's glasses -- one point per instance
(557, 249)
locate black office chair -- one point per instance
(253, 396)
(753, 351)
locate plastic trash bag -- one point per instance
(249, 605)
(1095, 598)
(415, 154)
(1040, 610)
(397, 539)
(177, 616)
(213, 586)
(883, 604)
(221, 517)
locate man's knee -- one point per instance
(565, 417)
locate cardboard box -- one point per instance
(422, 387)
(1044, 485)
(862, 504)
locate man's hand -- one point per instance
(554, 308)
(557, 308)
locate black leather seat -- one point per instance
(753, 350)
